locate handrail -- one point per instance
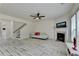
(19, 28)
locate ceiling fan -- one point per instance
(37, 16)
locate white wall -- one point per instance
(46, 26)
(49, 27)
(26, 30)
(16, 25)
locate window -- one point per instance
(78, 27)
(73, 27)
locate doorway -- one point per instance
(0, 32)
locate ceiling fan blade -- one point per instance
(32, 16)
(37, 16)
(42, 16)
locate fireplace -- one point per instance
(61, 37)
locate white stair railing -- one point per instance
(17, 31)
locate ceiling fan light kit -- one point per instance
(37, 18)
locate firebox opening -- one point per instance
(61, 37)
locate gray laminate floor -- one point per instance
(32, 47)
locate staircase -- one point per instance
(17, 31)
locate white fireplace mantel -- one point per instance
(61, 30)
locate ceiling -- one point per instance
(24, 10)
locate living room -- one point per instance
(37, 25)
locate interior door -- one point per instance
(0, 32)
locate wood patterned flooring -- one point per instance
(32, 47)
